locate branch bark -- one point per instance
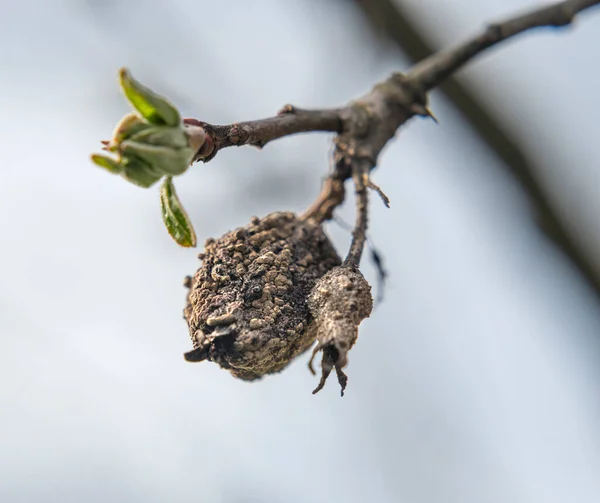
(388, 17)
(433, 70)
(290, 120)
(365, 125)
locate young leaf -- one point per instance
(108, 163)
(174, 215)
(154, 108)
(139, 173)
(163, 136)
(164, 160)
(127, 127)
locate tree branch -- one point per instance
(365, 125)
(389, 17)
(290, 120)
(360, 176)
(433, 70)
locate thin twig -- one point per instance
(290, 120)
(359, 234)
(433, 70)
(331, 196)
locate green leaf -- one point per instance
(108, 163)
(139, 173)
(152, 107)
(163, 136)
(127, 127)
(164, 160)
(174, 215)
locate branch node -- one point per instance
(234, 134)
(288, 109)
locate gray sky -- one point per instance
(475, 381)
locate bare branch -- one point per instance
(290, 120)
(331, 196)
(389, 16)
(359, 234)
(365, 125)
(433, 70)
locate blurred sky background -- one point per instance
(476, 380)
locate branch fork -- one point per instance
(341, 299)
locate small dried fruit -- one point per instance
(253, 319)
(338, 303)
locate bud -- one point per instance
(163, 160)
(128, 126)
(153, 143)
(163, 136)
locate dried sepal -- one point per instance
(174, 215)
(338, 303)
(152, 107)
(198, 354)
